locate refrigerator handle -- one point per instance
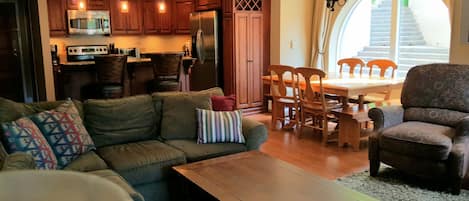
(200, 46)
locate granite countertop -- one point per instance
(129, 60)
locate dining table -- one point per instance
(346, 86)
(351, 116)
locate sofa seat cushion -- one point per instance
(117, 179)
(418, 139)
(197, 152)
(87, 162)
(142, 162)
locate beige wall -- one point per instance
(459, 50)
(291, 32)
(44, 27)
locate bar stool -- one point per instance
(110, 71)
(166, 71)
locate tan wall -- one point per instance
(291, 32)
(145, 43)
(459, 50)
(44, 27)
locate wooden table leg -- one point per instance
(349, 132)
(344, 101)
(361, 100)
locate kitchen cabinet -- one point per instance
(127, 23)
(245, 52)
(154, 20)
(89, 4)
(201, 5)
(181, 17)
(57, 17)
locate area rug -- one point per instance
(393, 185)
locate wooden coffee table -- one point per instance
(256, 176)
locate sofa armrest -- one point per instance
(254, 132)
(19, 161)
(462, 129)
(385, 117)
(459, 157)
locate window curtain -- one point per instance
(323, 23)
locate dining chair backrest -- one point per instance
(167, 66)
(383, 65)
(284, 74)
(308, 94)
(352, 63)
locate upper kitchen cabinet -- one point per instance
(88, 4)
(157, 16)
(129, 22)
(201, 5)
(182, 11)
(57, 17)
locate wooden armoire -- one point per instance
(246, 29)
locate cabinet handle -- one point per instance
(250, 60)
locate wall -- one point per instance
(439, 17)
(291, 32)
(459, 50)
(47, 60)
(146, 43)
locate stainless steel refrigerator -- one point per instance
(205, 32)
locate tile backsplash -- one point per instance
(146, 43)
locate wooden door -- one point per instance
(241, 32)
(201, 5)
(149, 17)
(182, 11)
(57, 17)
(255, 62)
(98, 5)
(134, 17)
(164, 17)
(118, 19)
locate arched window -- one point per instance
(410, 32)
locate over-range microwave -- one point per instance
(91, 22)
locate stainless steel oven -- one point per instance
(88, 22)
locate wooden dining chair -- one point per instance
(166, 71)
(284, 96)
(383, 65)
(314, 107)
(352, 63)
(111, 72)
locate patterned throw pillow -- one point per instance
(65, 132)
(219, 126)
(23, 135)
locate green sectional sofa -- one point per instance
(138, 139)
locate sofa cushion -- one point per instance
(197, 152)
(142, 162)
(434, 115)
(442, 86)
(117, 179)
(87, 162)
(219, 126)
(418, 139)
(159, 96)
(23, 135)
(65, 133)
(179, 116)
(121, 120)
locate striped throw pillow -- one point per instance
(219, 126)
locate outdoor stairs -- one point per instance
(413, 48)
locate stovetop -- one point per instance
(85, 52)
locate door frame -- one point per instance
(30, 49)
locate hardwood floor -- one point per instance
(330, 162)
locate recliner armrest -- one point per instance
(254, 132)
(19, 161)
(462, 129)
(385, 117)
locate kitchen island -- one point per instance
(77, 80)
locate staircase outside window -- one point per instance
(423, 28)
